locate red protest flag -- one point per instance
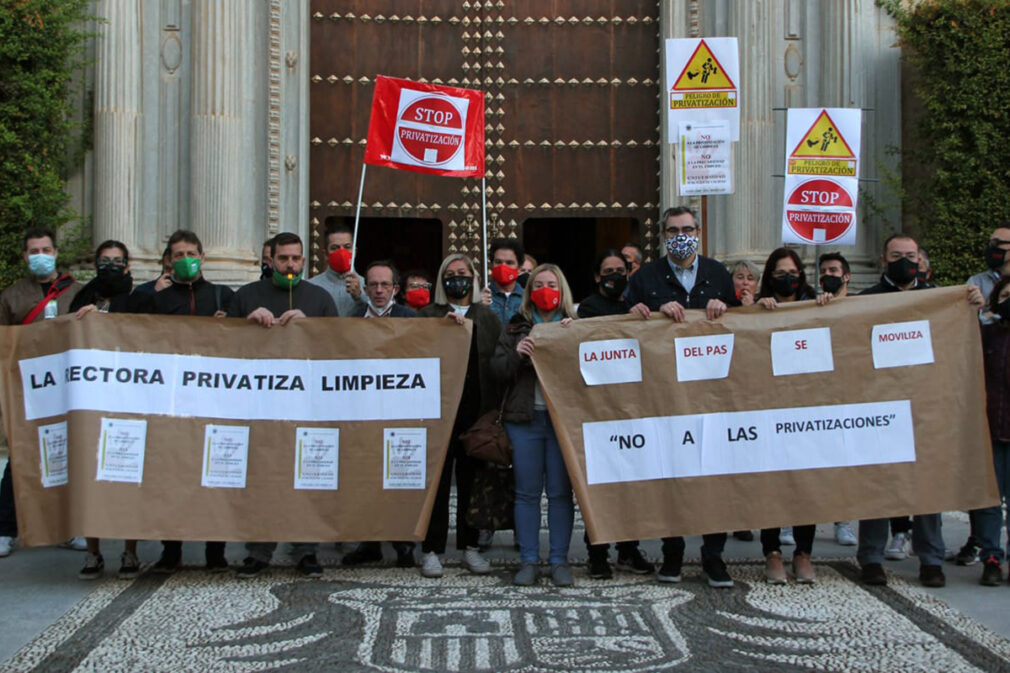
(426, 128)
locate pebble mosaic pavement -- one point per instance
(387, 619)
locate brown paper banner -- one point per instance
(170, 503)
(951, 468)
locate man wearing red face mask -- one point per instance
(505, 294)
(343, 284)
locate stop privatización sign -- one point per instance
(819, 212)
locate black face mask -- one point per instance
(994, 256)
(1003, 309)
(786, 286)
(902, 271)
(457, 287)
(832, 284)
(612, 284)
(113, 280)
(522, 279)
(266, 271)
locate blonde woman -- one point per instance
(537, 461)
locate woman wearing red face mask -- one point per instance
(536, 461)
(416, 289)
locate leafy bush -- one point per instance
(42, 45)
(959, 187)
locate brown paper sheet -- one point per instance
(171, 503)
(953, 469)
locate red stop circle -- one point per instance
(430, 130)
(820, 211)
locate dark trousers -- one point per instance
(173, 548)
(8, 515)
(901, 524)
(711, 546)
(623, 548)
(804, 536)
(399, 547)
(456, 461)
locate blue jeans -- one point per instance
(537, 462)
(927, 540)
(990, 519)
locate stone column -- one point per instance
(221, 177)
(118, 113)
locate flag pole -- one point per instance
(357, 216)
(483, 215)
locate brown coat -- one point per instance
(17, 301)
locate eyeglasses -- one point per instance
(111, 261)
(689, 230)
(385, 284)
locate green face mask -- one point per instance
(187, 268)
(282, 281)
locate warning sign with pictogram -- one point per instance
(427, 128)
(828, 146)
(701, 82)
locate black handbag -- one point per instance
(487, 440)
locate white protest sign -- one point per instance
(121, 447)
(404, 457)
(703, 161)
(802, 351)
(225, 456)
(822, 171)
(704, 357)
(53, 454)
(743, 442)
(902, 344)
(317, 458)
(610, 361)
(702, 77)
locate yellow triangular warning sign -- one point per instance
(703, 72)
(823, 141)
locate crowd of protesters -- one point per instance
(522, 293)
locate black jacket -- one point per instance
(398, 311)
(596, 305)
(201, 297)
(515, 372)
(655, 284)
(885, 285)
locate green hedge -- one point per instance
(41, 49)
(960, 186)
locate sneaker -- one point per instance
(561, 575)
(251, 568)
(526, 576)
(475, 562)
(308, 566)
(6, 545)
(431, 566)
(715, 570)
(786, 536)
(217, 562)
(992, 573)
(968, 555)
(873, 574)
(775, 570)
(366, 552)
(599, 567)
(932, 576)
(129, 566)
(670, 570)
(897, 550)
(803, 569)
(744, 535)
(405, 558)
(167, 564)
(844, 535)
(485, 538)
(94, 564)
(75, 544)
(634, 562)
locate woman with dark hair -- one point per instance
(784, 281)
(457, 296)
(108, 292)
